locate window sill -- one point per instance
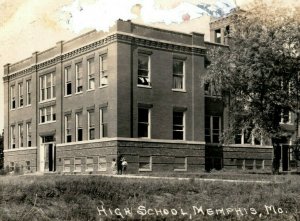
(29, 105)
(45, 101)
(102, 170)
(49, 122)
(77, 93)
(20, 107)
(13, 109)
(103, 86)
(68, 95)
(145, 86)
(179, 90)
(180, 170)
(93, 89)
(287, 123)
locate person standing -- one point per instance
(119, 163)
(114, 166)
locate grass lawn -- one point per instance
(81, 197)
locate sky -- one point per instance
(27, 26)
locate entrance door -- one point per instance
(285, 157)
(50, 156)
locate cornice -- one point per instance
(120, 37)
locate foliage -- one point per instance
(77, 197)
(259, 69)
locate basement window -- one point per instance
(145, 163)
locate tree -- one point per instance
(259, 71)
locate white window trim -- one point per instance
(28, 133)
(76, 78)
(64, 165)
(89, 126)
(76, 125)
(101, 71)
(185, 165)
(66, 128)
(101, 122)
(211, 126)
(75, 170)
(150, 164)
(13, 136)
(149, 73)
(184, 124)
(183, 89)
(28, 92)
(66, 73)
(12, 97)
(52, 85)
(149, 123)
(20, 94)
(20, 132)
(89, 170)
(90, 74)
(45, 114)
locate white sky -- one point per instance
(27, 26)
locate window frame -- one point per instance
(13, 137)
(91, 126)
(86, 162)
(78, 78)
(20, 95)
(28, 134)
(148, 85)
(28, 92)
(183, 126)
(68, 131)
(99, 167)
(43, 113)
(145, 123)
(185, 164)
(211, 128)
(68, 165)
(77, 126)
(91, 74)
(103, 74)
(21, 135)
(43, 87)
(183, 76)
(12, 97)
(76, 160)
(102, 122)
(150, 164)
(67, 80)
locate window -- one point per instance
(67, 165)
(28, 134)
(103, 78)
(103, 122)
(144, 70)
(12, 97)
(91, 126)
(47, 114)
(178, 74)
(68, 133)
(286, 117)
(21, 138)
(77, 165)
(210, 90)
(68, 81)
(12, 137)
(91, 74)
(180, 164)
(218, 36)
(144, 123)
(178, 125)
(79, 127)
(249, 164)
(240, 163)
(102, 165)
(47, 87)
(89, 164)
(27, 165)
(249, 136)
(28, 92)
(20, 91)
(145, 163)
(259, 164)
(212, 129)
(78, 74)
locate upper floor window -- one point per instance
(103, 78)
(79, 126)
(68, 132)
(68, 81)
(28, 134)
(28, 92)
(91, 124)
(144, 70)
(21, 137)
(47, 114)
(91, 73)
(178, 125)
(79, 77)
(12, 97)
(20, 91)
(249, 135)
(144, 122)
(218, 36)
(210, 90)
(178, 74)
(103, 122)
(212, 129)
(47, 87)
(12, 137)
(286, 117)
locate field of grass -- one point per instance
(62, 197)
